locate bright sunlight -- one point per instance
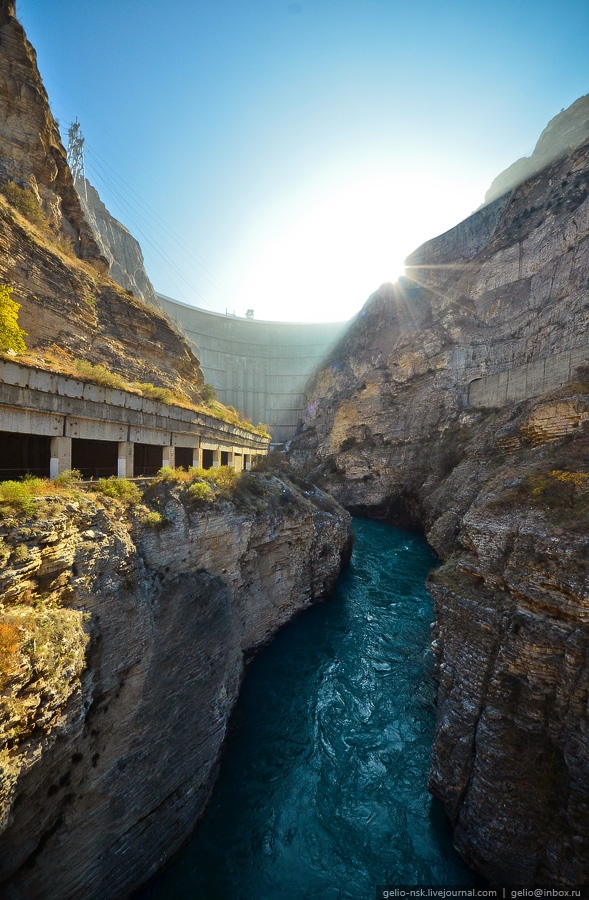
(335, 254)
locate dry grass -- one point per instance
(58, 360)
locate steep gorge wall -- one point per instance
(123, 649)
(118, 246)
(31, 152)
(502, 494)
(55, 267)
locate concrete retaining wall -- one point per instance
(527, 381)
(36, 402)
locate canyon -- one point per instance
(458, 404)
(123, 647)
(126, 621)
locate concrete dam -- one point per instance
(259, 367)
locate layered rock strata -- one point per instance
(118, 246)
(31, 152)
(123, 649)
(52, 259)
(499, 482)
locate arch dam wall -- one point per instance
(261, 368)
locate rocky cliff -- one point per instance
(118, 246)
(458, 403)
(563, 133)
(31, 151)
(122, 649)
(48, 252)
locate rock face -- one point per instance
(458, 404)
(118, 246)
(123, 649)
(64, 301)
(31, 152)
(564, 132)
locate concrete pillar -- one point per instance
(126, 459)
(61, 456)
(237, 461)
(197, 457)
(247, 461)
(168, 457)
(216, 459)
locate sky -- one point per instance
(286, 156)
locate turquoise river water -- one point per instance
(322, 793)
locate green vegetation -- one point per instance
(230, 414)
(47, 643)
(175, 476)
(199, 492)
(222, 476)
(119, 488)
(26, 203)
(21, 553)
(559, 487)
(99, 375)
(18, 495)
(199, 486)
(208, 393)
(161, 394)
(153, 519)
(10, 636)
(68, 478)
(11, 335)
(562, 495)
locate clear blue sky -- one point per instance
(286, 156)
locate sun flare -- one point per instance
(339, 250)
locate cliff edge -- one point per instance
(563, 133)
(122, 642)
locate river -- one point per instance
(323, 786)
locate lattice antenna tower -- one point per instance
(75, 156)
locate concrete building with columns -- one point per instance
(261, 368)
(50, 423)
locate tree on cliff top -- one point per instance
(11, 336)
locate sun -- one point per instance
(323, 265)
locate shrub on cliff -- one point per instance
(161, 394)
(99, 374)
(199, 492)
(10, 637)
(11, 335)
(174, 476)
(121, 488)
(18, 495)
(153, 519)
(222, 476)
(208, 392)
(67, 478)
(24, 200)
(248, 492)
